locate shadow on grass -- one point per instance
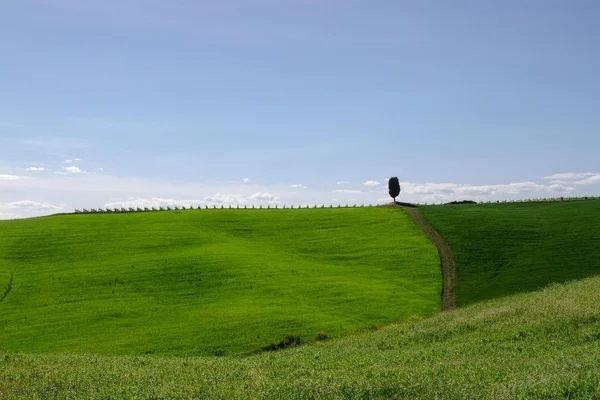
(399, 203)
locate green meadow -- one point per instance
(209, 282)
(182, 304)
(538, 345)
(507, 248)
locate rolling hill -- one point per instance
(538, 345)
(209, 282)
(92, 294)
(507, 248)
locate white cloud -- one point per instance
(245, 179)
(36, 169)
(71, 161)
(74, 170)
(297, 185)
(27, 208)
(342, 183)
(571, 175)
(9, 215)
(371, 183)
(591, 180)
(263, 197)
(451, 190)
(222, 198)
(216, 199)
(30, 205)
(152, 202)
(11, 177)
(346, 191)
(91, 190)
(558, 188)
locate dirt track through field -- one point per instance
(9, 287)
(446, 258)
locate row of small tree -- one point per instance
(214, 206)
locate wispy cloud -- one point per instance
(452, 190)
(225, 198)
(575, 178)
(36, 169)
(571, 175)
(371, 183)
(135, 202)
(31, 205)
(299, 186)
(27, 208)
(74, 170)
(71, 170)
(233, 199)
(245, 180)
(346, 191)
(342, 183)
(71, 161)
(263, 197)
(11, 177)
(590, 180)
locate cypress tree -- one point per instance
(394, 187)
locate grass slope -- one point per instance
(207, 282)
(501, 249)
(538, 345)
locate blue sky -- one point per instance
(110, 103)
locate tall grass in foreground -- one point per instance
(539, 345)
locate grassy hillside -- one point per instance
(501, 249)
(209, 282)
(539, 345)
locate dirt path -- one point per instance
(8, 288)
(446, 258)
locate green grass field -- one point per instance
(501, 249)
(539, 345)
(93, 293)
(209, 282)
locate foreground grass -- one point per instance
(501, 249)
(542, 345)
(209, 282)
